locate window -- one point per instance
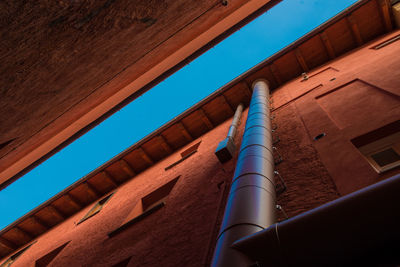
(190, 150)
(381, 147)
(96, 208)
(386, 42)
(12, 258)
(147, 205)
(185, 154)
(49, 257)
(383, 154)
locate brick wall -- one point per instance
(346, 98)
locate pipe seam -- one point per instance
(238, 224)
(245, 186)
(252, 173)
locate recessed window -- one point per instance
(382, 150)
(14, 257)
(386, 42)
(185, 154)
(96, 208)
(49, 257)
(386, 157)
(147, 205)
(384, 154)
(190, 150)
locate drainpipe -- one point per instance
(235, 122)
(227, 147)
(359, 229)
(251, 202)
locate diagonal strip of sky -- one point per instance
(269, 33)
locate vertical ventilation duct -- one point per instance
(251, 202)
(226, 148)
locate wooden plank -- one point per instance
(144, 155)
(109, 178)
(227, 103)
(205, 119)
(328, 45)
(164, 143)
(92, 190)
(354, 29)
(275, 73)
(385, 8)
(300, 59)
(184, 131)
(8, 244)
(56, 211)
(40, 222)
(72, 200)
(127, 168)
(24, 232)
(247, 90)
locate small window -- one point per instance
(147, 205)
(386, 42)
(383, 154)
(96, 208)
(190, 150)
(386, 157)
(49, 257)
(14, 257)
(185, 154)
(382, 151)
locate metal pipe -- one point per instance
(251, 201)
(226, 148)
(359, 229)
(235, 122)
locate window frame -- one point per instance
(389, 142)
(50, 255)
(142, 209)
(187, 153)
(10, 260)
(98, 205)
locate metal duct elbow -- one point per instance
(226, 148)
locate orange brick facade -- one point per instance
(179, 234)
(346, 98)
(353, 95)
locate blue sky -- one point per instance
(269, 33)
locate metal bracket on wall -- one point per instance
(279, 207)
(276, 140)
(280, 159)
(281, 186)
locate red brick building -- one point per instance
(335, 104)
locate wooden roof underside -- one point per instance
(66, 65)
(357, 25)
